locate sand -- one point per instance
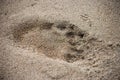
(59, 40)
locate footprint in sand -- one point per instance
(57, 40)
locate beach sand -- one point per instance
(59, 40)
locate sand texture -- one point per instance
(59, 40)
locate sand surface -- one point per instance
(59, 40)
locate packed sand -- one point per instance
(59, 40)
